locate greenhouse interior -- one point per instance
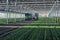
(29, 19)
(15, 11)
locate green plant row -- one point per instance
(44, 21)
(34, 34)
(10, 20)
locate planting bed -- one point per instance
(33, 34)
(10, 20)
(4, 31)
(44, 21)
(40, 22)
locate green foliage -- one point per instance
(10, 20)
(3, 21)
(33, 34)
(46, 21)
